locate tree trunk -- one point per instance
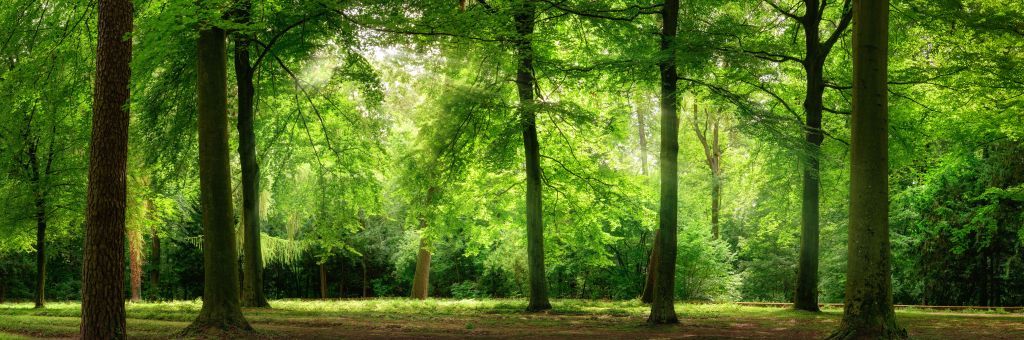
(135, 264)
(652, 269)
(154, 263)
(421, 279)
(103, 315)
(663, 305)
(806, 296)
(252, 283)
(868, 311)
(221, 306)
(323, 281)
(524, 20)
(40, 294)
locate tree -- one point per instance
(525, 16)
(663, 306)
(816, 52)
(868, 311)
(713, 158)
(221, 307)
(103, 314)
(252, 280)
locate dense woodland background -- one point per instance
(379, 132)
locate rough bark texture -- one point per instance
(221, 308)
(421, 279)
(652, 269)
(135, 264)
(663, 306)
(252, 279)
(524, 20)
(868, 311)
(103, 315)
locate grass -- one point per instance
(503, 318)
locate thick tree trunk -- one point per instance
(652, 269)
(663, 306)
(868, 311)
(154, 263)
(103, 315)
(524, 20)
(221, 307)
(135, 264)
(252, 282)
(40, 294)
(421, 279)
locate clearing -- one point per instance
(500, 318)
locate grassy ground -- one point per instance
(403, 318)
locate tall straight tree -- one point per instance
(816, 51)
(252, 279)
(663, 305)
(525, 19)
(103, 315)
(221, 308)
(868, 311)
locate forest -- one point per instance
(840, 169)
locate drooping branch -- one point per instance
(632, 11)
(787, 13)
(273, 40)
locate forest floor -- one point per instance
(498, 318)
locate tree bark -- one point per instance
(252, 283)
(421, 279)
(663, 306)
(652, 269)
(221, 307)
(525, 17)
(868, 311)
(135, 264)
(40, 293)
(806, 296)
(103, 315)
(323, 281)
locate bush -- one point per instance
(466, 290)
(704, 268)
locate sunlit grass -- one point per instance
(164, 319)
